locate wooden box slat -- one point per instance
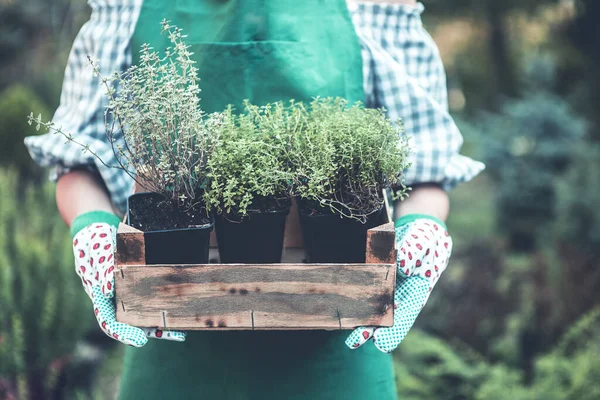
(131, 249)
(265, 296)
(261, 297)
(381, 245)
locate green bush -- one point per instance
(503, 383)
(429, 368)
(578, 219)
(569, 378)
(527, 146)
(43, 310)
(16, 103)
(571, 370)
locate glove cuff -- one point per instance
(413, 217)
(88, 218)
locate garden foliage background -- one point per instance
(517, 314)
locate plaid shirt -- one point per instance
(402, 72)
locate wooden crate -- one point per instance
(292, 296)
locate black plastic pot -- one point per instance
(257, 239)
(329, 238)
(172, 246)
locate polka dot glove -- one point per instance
(93, 247)
(424, 247)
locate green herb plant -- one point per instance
(344, 156)
(160, 136)
(331, 154)
(249, 170)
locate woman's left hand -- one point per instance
(423, 247)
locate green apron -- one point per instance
(264, 51)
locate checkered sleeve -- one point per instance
(106, 38)
(403, 73)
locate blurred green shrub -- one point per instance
(16, 103)
(481, 301)
(578, 220)
(43, 310)
(576, 233)
(430, 368)
(571, 371)
(527, 146)
(503, 383)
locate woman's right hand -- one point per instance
(94, 250)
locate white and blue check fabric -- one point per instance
(402, 70)
(106, 38)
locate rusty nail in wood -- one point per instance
(339, 315)
(164, 319)
(123, 305)
(387, 273)
(122, 274)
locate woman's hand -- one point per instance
(423, 247)
(94, 247)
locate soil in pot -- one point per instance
(329, 238)
(256, 238)
(172, 236)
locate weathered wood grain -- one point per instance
(381, 245)
(243, 296)
(131, 248)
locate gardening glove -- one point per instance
(94, 242)
(423, 249)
